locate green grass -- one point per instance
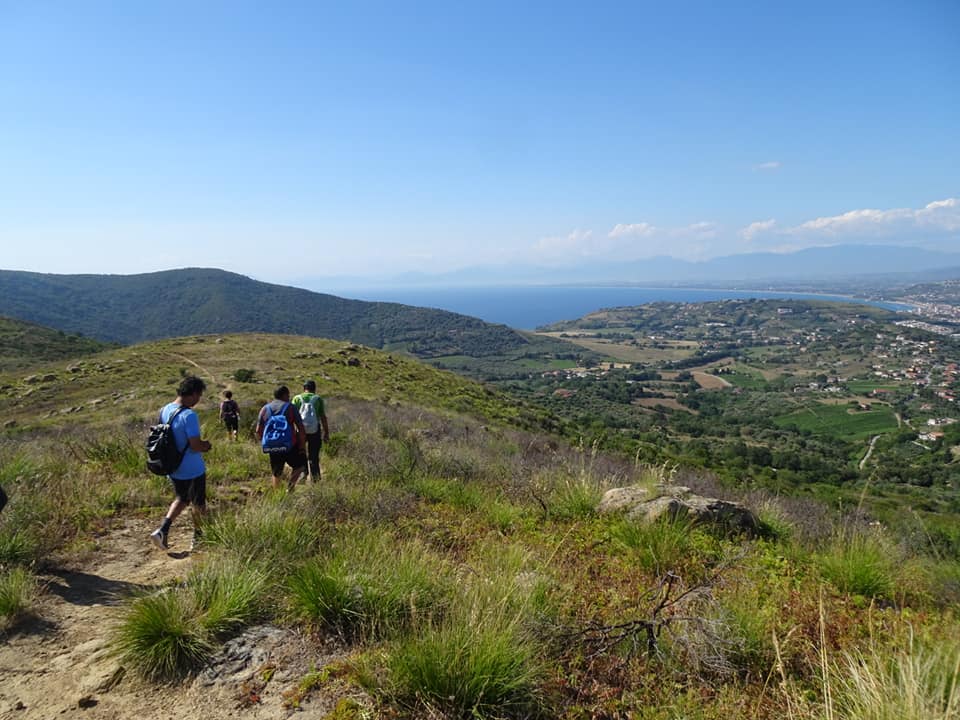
(863, 387)
(166, 635)
(481, 659)
(860, 562)
(269, 531)
(161, 637)
(467, 667)
(369, 585)
(836, 421)
(918, 682)
(18, 588)
(666, 545)
(746, 378)
(230, 593)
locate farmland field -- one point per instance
(839, 421)
(862, 387)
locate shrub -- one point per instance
(244, 375)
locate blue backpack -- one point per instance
(277, 433)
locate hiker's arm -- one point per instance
(193, 434)
(326, 428)
(260, 422)
(198, 445)
(301, 431)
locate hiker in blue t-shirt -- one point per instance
(190, 478)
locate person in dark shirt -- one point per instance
(230, 414)
(296, 456)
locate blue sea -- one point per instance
(529, 307)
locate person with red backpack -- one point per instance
(282, 437)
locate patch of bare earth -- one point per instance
(663, 402)
(58, 665)
(709, 382)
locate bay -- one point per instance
(530, 307)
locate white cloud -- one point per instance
(751, 231)
(768, 166)
(632, 230)
(578, 242)
(935, 217)
(701, 230)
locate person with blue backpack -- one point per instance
(282, 437)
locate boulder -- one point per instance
(625, 498)
(676, 501)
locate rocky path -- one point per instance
(58, 665)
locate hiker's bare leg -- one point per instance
(198, 512)
(276, 482)
(176, 507)
(294, 476)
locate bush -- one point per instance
(244, 375)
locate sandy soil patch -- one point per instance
(58, 665)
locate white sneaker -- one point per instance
(159, 538)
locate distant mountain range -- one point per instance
(132, 308)
(820, 264)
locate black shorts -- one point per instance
(193, 492)
(295, 459)
(232, 422)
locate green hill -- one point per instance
(133, 381)
(23, 344)
(450, 564)
(135, 308)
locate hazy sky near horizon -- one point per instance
(297, 139)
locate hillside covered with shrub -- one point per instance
(174, 303)
(452, 563)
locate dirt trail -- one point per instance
(58, 665)
(203, 370)
(873, 441)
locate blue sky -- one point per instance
(288, 139)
